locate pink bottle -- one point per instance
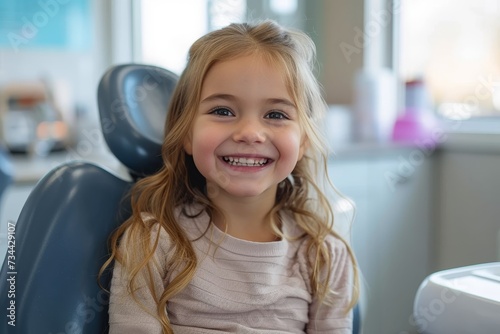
(418, 122)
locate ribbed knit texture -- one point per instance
(239, 287)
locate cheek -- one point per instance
(204, 143)
(203, 146)
(291, 149)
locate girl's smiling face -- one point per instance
(246, 136)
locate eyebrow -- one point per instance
(229, 97)
(218, 96)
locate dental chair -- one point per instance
(48, 282)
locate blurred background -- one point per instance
(413, 88)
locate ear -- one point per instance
(188, 145)
(304, 145)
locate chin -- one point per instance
(246, 193)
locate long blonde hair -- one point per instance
(179, 183)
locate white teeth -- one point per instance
(235, 161)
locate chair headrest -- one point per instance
(133, 101)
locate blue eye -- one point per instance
(276, 115)
(219, 111)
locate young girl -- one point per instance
(234, 234)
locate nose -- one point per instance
(249, 131)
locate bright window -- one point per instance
(454, 46)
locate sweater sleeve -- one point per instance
(126, 315)
(332, 318)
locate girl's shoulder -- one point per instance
(335, 246)
(304, 249)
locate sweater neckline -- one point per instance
(240, 246)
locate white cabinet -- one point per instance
(391, 234)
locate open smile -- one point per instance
(246, 161)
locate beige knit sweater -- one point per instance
(239, 287)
